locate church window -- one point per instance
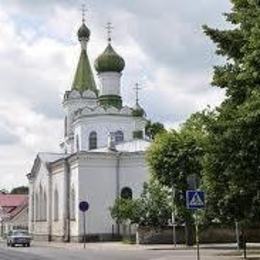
(65, 126)
(37, 206)
(72, 204)
(41, 204)
(92, 140)
(44, 217)
(126, 193)
(77, 143)
(119, 136)
(56, 205)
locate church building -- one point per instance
(102, 154)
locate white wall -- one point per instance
(103, 125)
(40, 227)
(109, 83)
(133, 173)
(97, 185)
(58, 183)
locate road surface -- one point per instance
(43, 251)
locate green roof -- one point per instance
(109, 60)
(84, 79)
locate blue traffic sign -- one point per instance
(83, 206)
(195, 199)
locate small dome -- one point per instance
(138, 111)
(109, 60)
(83, 31)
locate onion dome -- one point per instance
(109, 61)
(138, 110)
(83, 31)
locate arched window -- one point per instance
(56, 205)
(119, 136)
(72, 203)
(92, 141)
(37, 206)
(65, 126)
(44, 211)
(77, 143)
(41, 203)
(126, 193)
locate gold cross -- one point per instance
(137, 88)
(109, 28)
(83, 10)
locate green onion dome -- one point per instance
(138, 111)
(83, 31)
(109, 60)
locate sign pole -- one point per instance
(83, 207)
(197, 235)
(84, 228)
(195, 200)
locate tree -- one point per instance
(152, 209)
(175, 159)
(20, 190)
(154, 205)
(231, 169)
(152, 129)
(124, 210)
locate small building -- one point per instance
(13, 212)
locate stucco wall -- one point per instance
(103, 125)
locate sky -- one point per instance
(163, 45)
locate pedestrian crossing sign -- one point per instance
(195, 199)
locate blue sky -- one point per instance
(161, 41)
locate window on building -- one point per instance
(72, 203)
(92, 140)
(44, 211)
(56, 205)
(37, 206)
(126, 193)
(65, 126)
(77, 143)
(40, 203)
(119, 136)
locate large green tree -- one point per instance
(175, 159)
(232, 164)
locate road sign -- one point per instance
(83, 206)
(195, 199)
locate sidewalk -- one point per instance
(123, 246)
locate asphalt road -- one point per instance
(39, 252)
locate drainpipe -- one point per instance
(49, 206)
(66, 197)
(118, 155)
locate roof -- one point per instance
(137, 145)
(109, 60)
(12, 200)
(84, 78)
(51, 157)
(12, 204)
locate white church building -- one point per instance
(102, 159)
